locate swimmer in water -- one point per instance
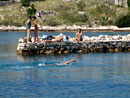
(64, 63)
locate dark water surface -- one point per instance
(96, 75)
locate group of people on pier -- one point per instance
(47, 39)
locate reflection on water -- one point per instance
(99, 75)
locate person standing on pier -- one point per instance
(35, 28)
(28, 28)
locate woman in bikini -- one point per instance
(28, 28)
(36, 29)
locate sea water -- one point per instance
(94, 75)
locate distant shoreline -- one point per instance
(68, 29)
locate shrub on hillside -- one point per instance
(52, 21)
(73, 17)
(81, 18)
(11, 23)
(81, 4)
(25, 2)
(123, 21)
(31, 11)
(128, 3)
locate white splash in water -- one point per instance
(41, 64)
(21, 67)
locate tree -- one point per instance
(31, 11)
(128, 3)
(25, 2)
(123, 21)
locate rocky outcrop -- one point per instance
(93, 46)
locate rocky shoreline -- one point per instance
(68, 28)
(102, 43)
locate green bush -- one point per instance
(123, 21)
(31, 11)
(81, 4)
(106, 22)
(11, 23)
(5, 23)
(80, 18)
(25, 2)
(52, 21)
(128, 3)
(73, 17)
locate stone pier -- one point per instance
(72, 47)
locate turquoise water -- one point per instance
(96, 75)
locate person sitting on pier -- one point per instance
(79, 35)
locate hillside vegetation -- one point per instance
(67, 13)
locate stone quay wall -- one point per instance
(73, 28)
(72, 47)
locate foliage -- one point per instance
(81, 4)
(101, 15)
(73, 17)
(128, 3)
(123, 21)
(31, 11)
(67, 13)
(25, 2)
(106, 22)
(52, 21)
(11, 23)
(65, 7)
